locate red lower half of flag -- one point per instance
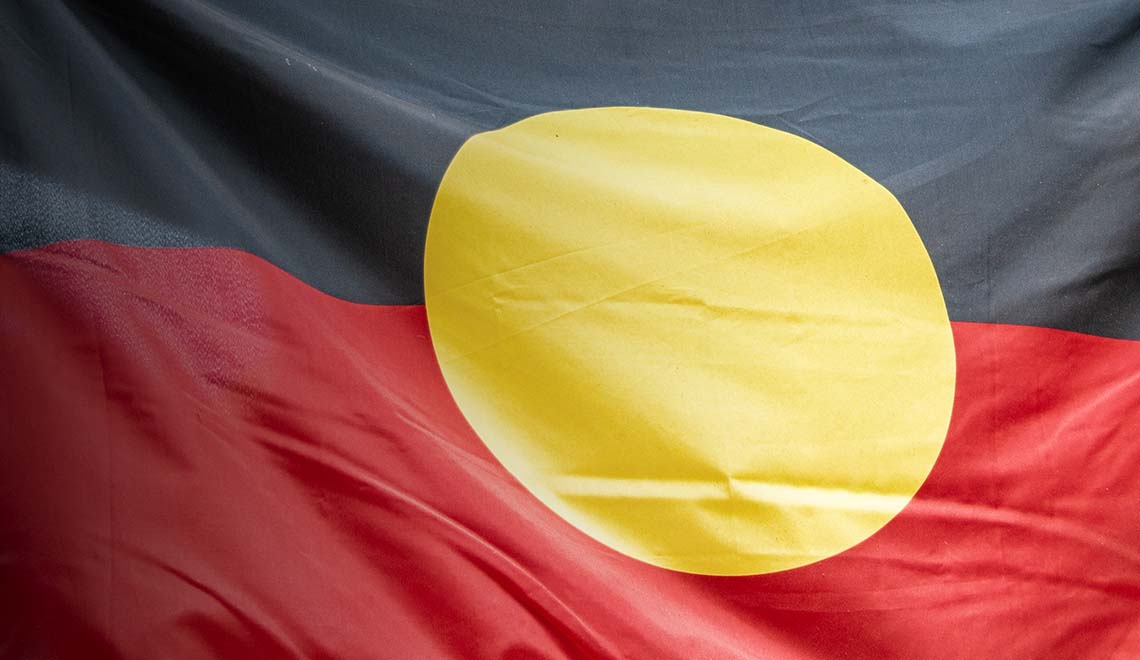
(204, 457)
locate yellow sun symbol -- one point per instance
(711, 345)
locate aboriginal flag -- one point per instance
(426, 329)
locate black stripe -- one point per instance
(315, 135)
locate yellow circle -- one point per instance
(711, 345)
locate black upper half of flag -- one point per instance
(315, 133)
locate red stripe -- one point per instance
(203, 456)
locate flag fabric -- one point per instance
(254, 405)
